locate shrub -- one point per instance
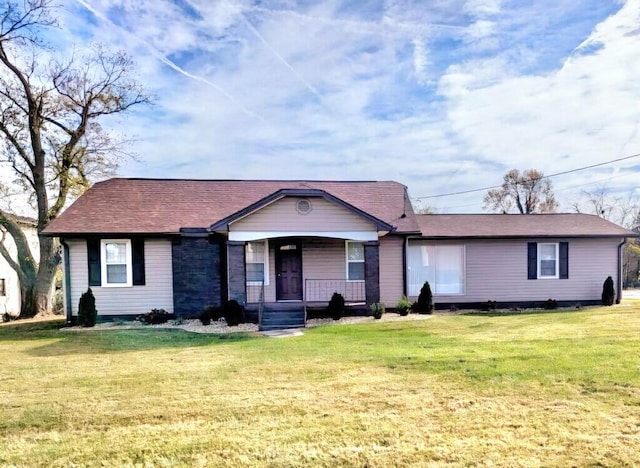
(209, 314)
(7, 317)
(424, 305)
(87, 313)
(178, 321)
(155, 317)
(489, 305)
(608, 292)
(336, 306)
(377, 308)
(550, 304)
(57, 305)
(233, 313)
(403, 306)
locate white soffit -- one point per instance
(243, 236)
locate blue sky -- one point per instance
(440, 95)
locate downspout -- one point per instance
(619, 298)
(67, 279)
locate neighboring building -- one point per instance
(9, 284)
(183, 245)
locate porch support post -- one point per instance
(236, 274)
(372, 272)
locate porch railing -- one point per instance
(255, 292)
(255, 295)
(321, 290)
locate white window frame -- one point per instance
(434, 261)
(347, 261)
(103, 263)
(266, 262)
(539, 260)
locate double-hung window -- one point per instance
(257, 261)
(355, 261)
(116, 261)
(547, 260)
(3, 288)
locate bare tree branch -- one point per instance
(529, 192)
(50, 113)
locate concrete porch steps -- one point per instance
(282, 316)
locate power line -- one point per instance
(544, 177)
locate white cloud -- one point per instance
(442, 96)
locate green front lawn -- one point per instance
(559, 389)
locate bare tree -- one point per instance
(621, 210)
(524, 193)
(50, 114)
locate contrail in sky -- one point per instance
(256, 33)
(164, 59)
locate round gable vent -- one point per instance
(303, 206)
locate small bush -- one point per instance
(7, 317)
(178, 321)
(57, 304)
(377, 309)
(155, 317)
(608, 292)
(233, 313)
(403, 306)
(550, 304)
(489, 305)
(336, 306)
(424, 305)
(210, 314)
(87, 313)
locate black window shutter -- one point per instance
(532, 260)
(137, 254)
(564, 260)
(93, 261)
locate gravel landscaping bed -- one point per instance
(221, 326)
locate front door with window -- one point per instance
(289, 272)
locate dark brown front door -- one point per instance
(289, 272)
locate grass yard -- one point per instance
(547, 389)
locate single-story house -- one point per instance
(280, 246)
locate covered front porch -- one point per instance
(296, 274)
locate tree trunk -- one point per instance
(28, 297)
(36, 293)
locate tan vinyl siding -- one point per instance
(281, 216)
(157, 293)
(391, 268)
(324, 259)
(497, 270)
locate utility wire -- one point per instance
(543, 177)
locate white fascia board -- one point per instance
(244, 236)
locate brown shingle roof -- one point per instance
(508, 225)
(118, 206)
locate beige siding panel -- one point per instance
(391, 267)
(157, 293)
(281, 216)
(497, 270)
(325, 259)
(79, 273)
